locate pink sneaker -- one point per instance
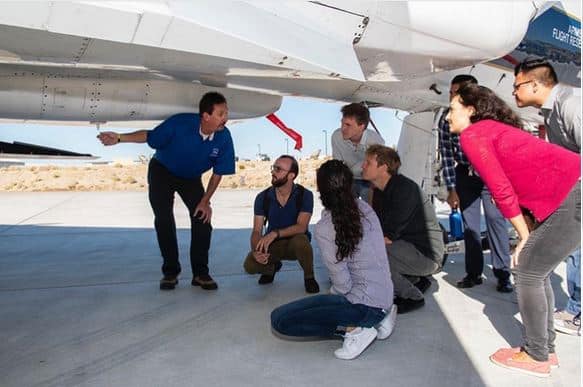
(521, 362)
(553, 358)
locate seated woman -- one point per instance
(352, 247)
(543, 179)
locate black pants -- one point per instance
(472, 192)
(162, 186)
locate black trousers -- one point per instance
(472, 192)
(162, 187)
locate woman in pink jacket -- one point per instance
(526, 175)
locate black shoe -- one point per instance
(504, 286)
(469, 282)
(168, 282)
(423, 284)
(311, 285)
(268, 278)
(205, 281)
(406, 305)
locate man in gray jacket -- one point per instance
(536, 84)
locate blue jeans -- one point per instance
(323, 316)
(574, 282)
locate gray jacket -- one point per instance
(562, 114)
(363, 278)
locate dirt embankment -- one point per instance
(132, 177)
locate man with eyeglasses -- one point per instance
(285, 208)
(467, 191)
(536, 84)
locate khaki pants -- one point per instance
(297, 248)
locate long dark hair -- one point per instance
(334, 180)
(488, 105)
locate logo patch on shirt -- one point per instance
(214, 152)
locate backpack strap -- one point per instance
(299, 197)
(266, 202)
(299, 202)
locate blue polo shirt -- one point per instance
(181, 149)
(282, 217)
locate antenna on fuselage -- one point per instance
(434, 88)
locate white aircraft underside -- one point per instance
(134, 61)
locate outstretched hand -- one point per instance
(108, 138)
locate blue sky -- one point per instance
(308, 117)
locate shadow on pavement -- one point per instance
(81, 306)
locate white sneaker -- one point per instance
(385, 327)
(567, 323)
(355, 342)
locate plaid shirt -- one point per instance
(450, 150)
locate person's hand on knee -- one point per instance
(262, 258)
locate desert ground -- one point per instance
(125, 176)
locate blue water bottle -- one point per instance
(456, 228)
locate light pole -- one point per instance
(259, 150)
(325, 142)
(287, 146)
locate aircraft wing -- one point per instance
(21, 150)
(123, 61)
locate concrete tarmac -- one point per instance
(80, 306)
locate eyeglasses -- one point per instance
(277, 169)
(517, 86)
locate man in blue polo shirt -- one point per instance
(286, 208)
(187, 145)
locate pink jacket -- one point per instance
(519, 169)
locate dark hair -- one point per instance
(334, 180)
(358, 111)
(385, 156)
(488, 105)
(541, 69)
(209, 100)
(294, 168)
(463, 79)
